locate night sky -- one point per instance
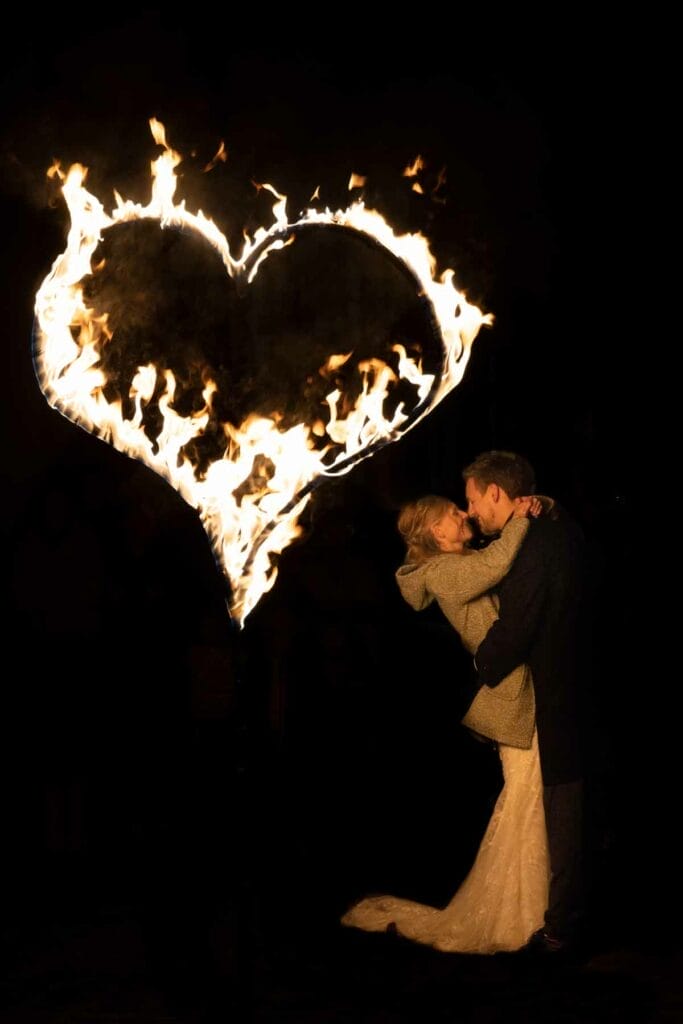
(140, 726)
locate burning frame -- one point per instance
(252, 482)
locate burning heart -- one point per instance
(221, 420)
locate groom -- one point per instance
(542, 621)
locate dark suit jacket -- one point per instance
(544, 621)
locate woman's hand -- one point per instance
(528, 506)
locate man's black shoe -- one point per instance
(545, 947)
(544, 944)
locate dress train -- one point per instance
(502, 901)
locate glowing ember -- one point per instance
(251, 497)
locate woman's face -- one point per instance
(452, 529)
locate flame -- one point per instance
(412, 170)
(220, 157)
(251, 499)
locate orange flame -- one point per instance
(247, 534)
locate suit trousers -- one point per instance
(563, 806)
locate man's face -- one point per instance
(481, 507)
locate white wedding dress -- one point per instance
(502, 901)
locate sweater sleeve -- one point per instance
(469, 576)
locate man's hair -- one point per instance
(415, 521)
(508, 470)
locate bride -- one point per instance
(502, 901)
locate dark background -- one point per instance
(231, 791)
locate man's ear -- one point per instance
(495, 492)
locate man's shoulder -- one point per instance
(556, 533)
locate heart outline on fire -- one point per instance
(246, 536)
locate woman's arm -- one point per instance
(469, 576)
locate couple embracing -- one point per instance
(518, 605)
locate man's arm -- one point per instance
(522, 595)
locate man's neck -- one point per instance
(512, 512)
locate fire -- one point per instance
(250, 499)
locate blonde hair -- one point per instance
(415, 522)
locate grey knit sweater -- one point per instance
(461, 584)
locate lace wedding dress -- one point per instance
(502, 900)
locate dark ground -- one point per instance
(243, 927)
(109, 962)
